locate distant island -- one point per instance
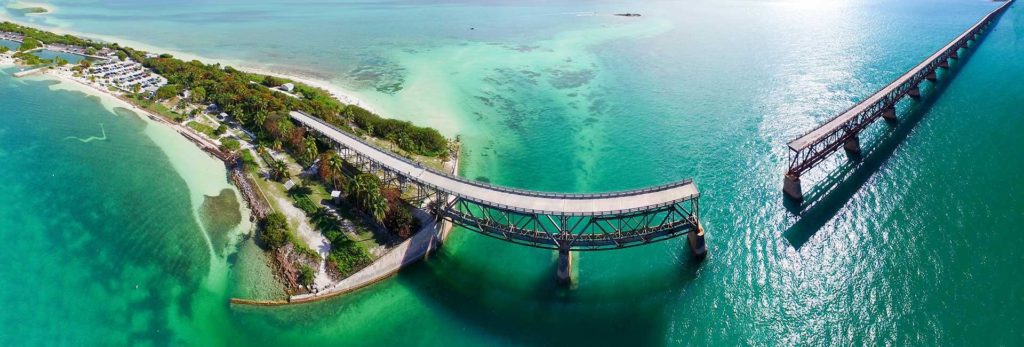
(34, 10)
(628, 14)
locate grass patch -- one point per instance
(202, 128)
(230, 144)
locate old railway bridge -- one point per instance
(562, 222)
(843, 130)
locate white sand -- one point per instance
(202, 173)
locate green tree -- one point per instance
(279, 170)
(198, 95)
(365, 190)
(306, 275)
(337, 165)
(274, 233)
(29, 43)
(90, 50)
(167, 91)
(4, 49)
(309, 150)
(121, 55)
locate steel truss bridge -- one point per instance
(563, 222)
(842, 131)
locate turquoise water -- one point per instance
(71, 58)
(10, 44)
(918, 247)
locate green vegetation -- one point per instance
(249, 162)
(34, 10)
(306, 274)
(60, 61)
(29, 43)
(346, 256)
(4, 49)
(31, 59)
(418, 140)
(48, 37)
(365, 192)
(203, 128)
(167, 91)
(273, 231)
(229, 144)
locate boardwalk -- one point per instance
(842, 131)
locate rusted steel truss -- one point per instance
(542, 229)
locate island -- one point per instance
(319, 217)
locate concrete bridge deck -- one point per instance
(513, 199)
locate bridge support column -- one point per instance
(944, 64)
(791, 187)
(697, 245)
(563, 274)
(931, 76)
(852, 146)
(914, 92)
(889, 114)
(954, 55)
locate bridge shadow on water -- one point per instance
(828, 196)
(525, 305)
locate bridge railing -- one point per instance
(525, 192)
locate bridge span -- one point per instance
(842, 131)
(559, 221)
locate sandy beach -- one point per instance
(341, 94)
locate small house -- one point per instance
(288, 87)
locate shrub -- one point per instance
(306, 274)
(230, 144)
(274, 233)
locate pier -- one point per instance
(566, 222)
(843, 130)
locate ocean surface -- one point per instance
(918, 244)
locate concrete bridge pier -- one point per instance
(889, 114)
(914, 92)
(563, 273)
(944, 64)
(852, 146)
(791, 187)
(931, 76)
(696, 240)
(954, 55)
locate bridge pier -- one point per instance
(914, 92)
(791, 187)
(954, 55)
(563, 272)
(944, 64)
(889, 114)
(696, 240)
(931, 76)
(852, 146)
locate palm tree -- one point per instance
(311, 151)
(181, 105)
(337, 166)
(365, 189)
(279, 170)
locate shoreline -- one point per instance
(342, 94)
(427, 240)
